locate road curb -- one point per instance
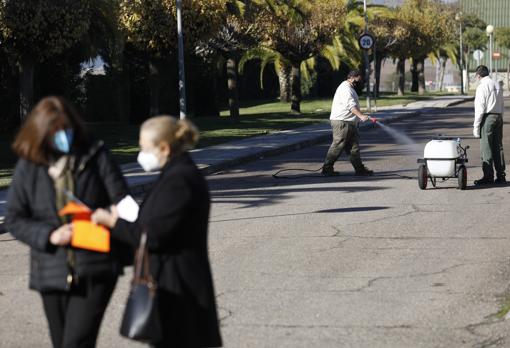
(457, 102)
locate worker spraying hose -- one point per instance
(345, 116)
(397, 135)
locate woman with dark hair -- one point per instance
(59, 162)
(175, 215)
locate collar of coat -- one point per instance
(83, 157)
(179, 158)
(87, 156)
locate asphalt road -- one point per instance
(362, 262)
(335, 262)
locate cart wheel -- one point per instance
(422, 176)
(462, 177)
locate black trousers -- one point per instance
(185, 324)
(74, 316)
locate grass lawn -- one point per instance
(257, 118)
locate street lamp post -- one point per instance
(490, 30)
(182, 77)
(458, 17)
(367, 59)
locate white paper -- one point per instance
(128, 209)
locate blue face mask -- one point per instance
(63, 139)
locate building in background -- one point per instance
(497, 13)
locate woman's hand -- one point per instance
(105, 217)
(62, 235)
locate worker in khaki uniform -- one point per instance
(345, 115)
(488, 126)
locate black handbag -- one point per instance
(141, 318)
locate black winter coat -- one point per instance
(32, 216)
(175, 214)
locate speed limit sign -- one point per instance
(366, 41)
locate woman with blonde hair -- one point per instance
(175, 216)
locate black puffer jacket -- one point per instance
(32, 216)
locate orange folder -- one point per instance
(86, 234)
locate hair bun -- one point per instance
(186, 134)
(181, 135)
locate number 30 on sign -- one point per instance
(366, 41)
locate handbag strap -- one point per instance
(142, 271)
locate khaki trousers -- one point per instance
(345, 137)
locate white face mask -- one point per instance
(149, 161)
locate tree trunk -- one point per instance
(508, 73)
(420, 69)
(401, 74)
(467, 62)
(120, 93)
(441, 74)
(284, 80)
(378, 65)
(296, 88)
(414, 75)
(26, 83)
(121, 81)
(154, 87)
(125, 97)
(233, 94)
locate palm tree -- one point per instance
(381, 21)
(298, 30)
(431, 25)
(238, 34)
(283, 66)
(442, 54)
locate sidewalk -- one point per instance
(220, 157)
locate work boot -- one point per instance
(328, 171)
(501, 179)
(488, 175)
(483, 181)
(364, 171)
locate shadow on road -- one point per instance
(330, 211)
(251, 185)
(351, 210)
(264, 197)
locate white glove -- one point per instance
(476, 132)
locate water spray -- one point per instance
(397, 135)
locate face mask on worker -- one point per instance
(63, 140)
(357, 84)
(148, 161)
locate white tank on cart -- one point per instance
(441, 156)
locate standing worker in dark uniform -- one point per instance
(345, 115)
(488, 126)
